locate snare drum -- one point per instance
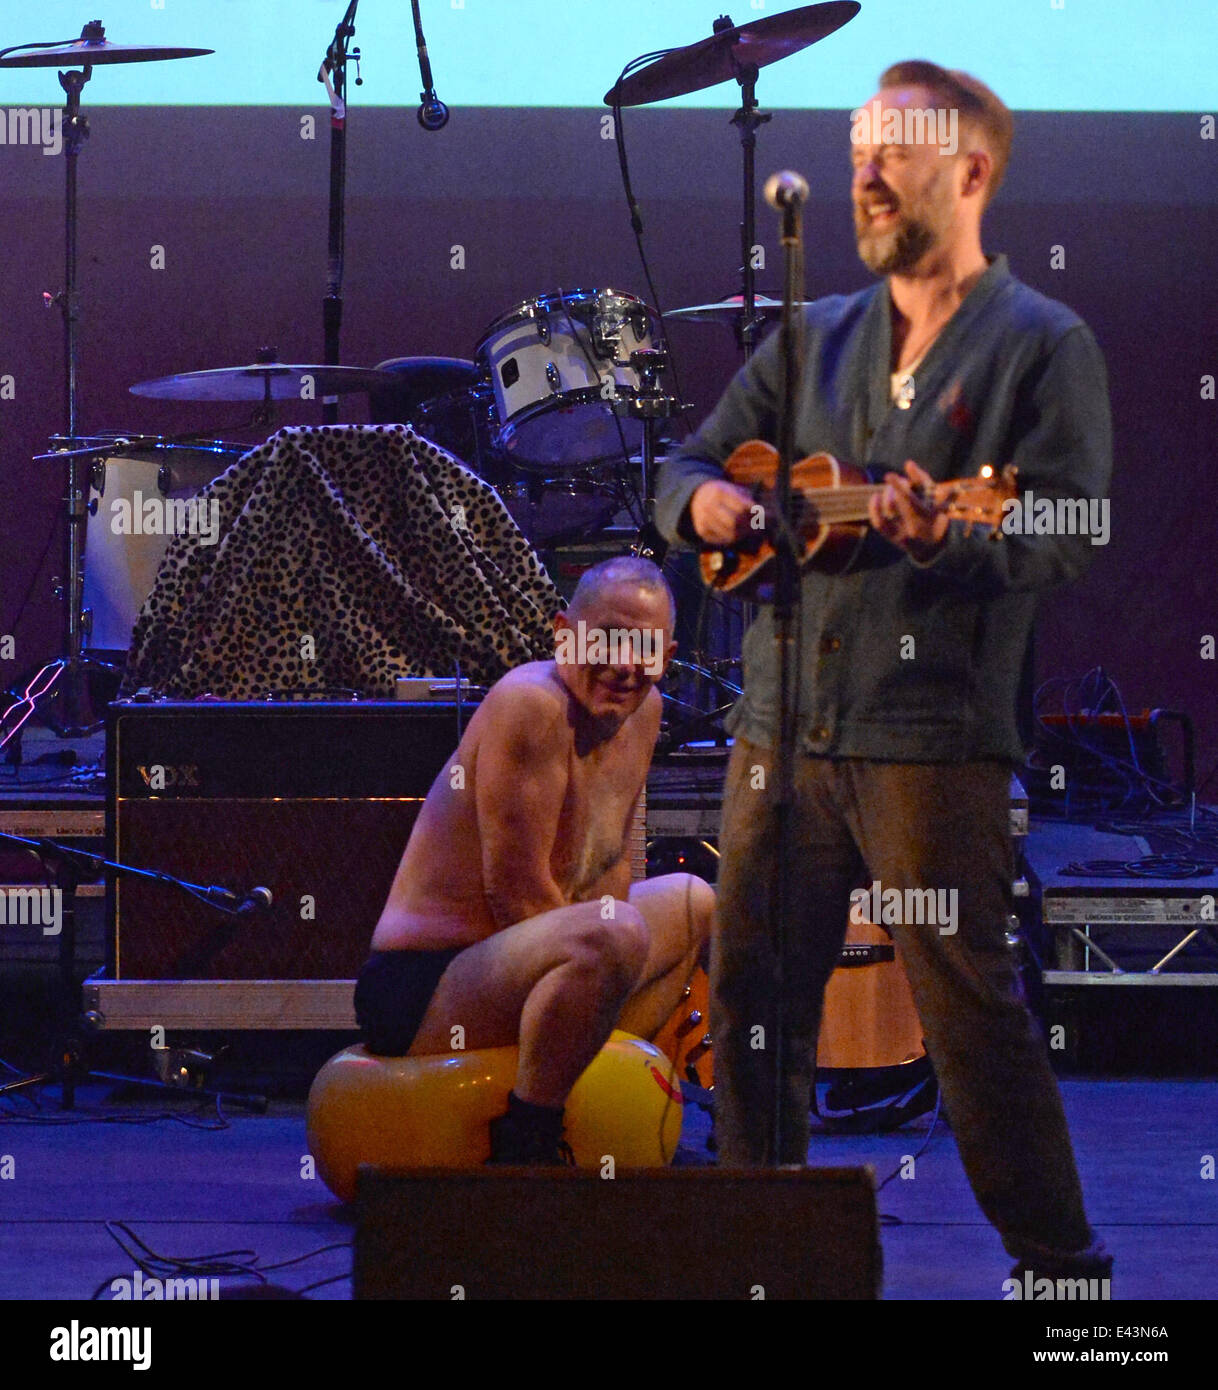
(557, 511)
(547, 510)
(556, 364)
(126, 538)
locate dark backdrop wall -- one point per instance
(237, 199)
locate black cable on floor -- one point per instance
(223, 1264)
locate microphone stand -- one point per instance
(333, 74)
(786, 603)
(433, 114)
(748, 119)
(66, 866)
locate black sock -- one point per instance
(547, 1118)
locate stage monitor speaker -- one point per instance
(664, 1233)
(313, 800)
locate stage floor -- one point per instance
(190, 1192)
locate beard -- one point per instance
(897, 249)
(921, 222)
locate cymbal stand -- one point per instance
(64, 679)
(748, 119)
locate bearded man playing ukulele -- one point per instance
(512, 913)
(910, 661)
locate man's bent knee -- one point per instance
(701, 897)
(615, 943)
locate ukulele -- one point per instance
(831, 518)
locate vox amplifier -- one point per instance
(313, 801)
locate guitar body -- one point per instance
(869, 1019)
(685, 1038)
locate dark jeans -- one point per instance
(909, 826)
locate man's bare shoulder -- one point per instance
(529, 703)
(651, 711)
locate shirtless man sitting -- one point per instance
(512, 914)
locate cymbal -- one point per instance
(719, 58)
(276, 381)
(727, 310)
(93, 52)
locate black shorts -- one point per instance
(392, 994)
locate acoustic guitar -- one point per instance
(831, 513)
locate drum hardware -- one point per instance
(67, 682)
(608, 324)
(650, 405)
(732, 53)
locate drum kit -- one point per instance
(562, 409)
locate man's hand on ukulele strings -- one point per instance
(906, 517)
(721, 512)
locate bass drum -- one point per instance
(550, 511)
(130, 526)
(556, 364)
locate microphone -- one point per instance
(241, 905)
(786, 189)
(254, 903)
(433, 114)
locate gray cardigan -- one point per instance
(1013, 378)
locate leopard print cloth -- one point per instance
(347, 555)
